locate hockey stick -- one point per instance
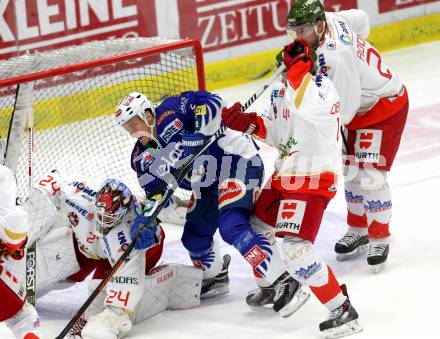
(171, 186)
(31, 251)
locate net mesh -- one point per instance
(74, 131)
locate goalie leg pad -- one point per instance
(169, 287)
(56, 259)
(42, 215)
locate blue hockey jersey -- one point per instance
(187, 112)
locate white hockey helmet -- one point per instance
(134, 104)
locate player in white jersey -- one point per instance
(374, 108)
(87, 228)
(15, 311)
(303, 124)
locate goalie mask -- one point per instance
(135, 104)
(113, 202)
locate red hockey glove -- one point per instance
(297, 51)
(235, 119)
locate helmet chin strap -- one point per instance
(320, 35)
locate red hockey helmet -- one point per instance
(113, 202)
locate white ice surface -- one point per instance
(401, 302)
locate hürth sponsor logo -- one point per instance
(255, 256)
(40, 25)
(290, 216)
(367, 146)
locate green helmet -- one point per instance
(305, 11)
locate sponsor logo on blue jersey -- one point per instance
(171, 129)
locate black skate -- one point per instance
(343, 321)
(260, 297)
(289, 296)
(219, 284)
(377, 256)
(351, 245)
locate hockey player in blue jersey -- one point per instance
(225, 182)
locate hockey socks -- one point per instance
(260, 253)
(330, 293)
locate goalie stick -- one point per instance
(170, 187)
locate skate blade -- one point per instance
(261, 308)
(297, 302)
(378, 268)
(357, 252)
(350, 328)
(216, 292)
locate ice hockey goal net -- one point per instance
(73, 92)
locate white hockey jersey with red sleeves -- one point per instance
(357, 70)
(303, 124)
(75, 200)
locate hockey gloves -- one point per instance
(147, 235)
(297, 51)
(235, 119)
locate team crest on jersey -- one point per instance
(367, 146)
(171, 129)
(146, 160)
(290, 216)
(344, 32)
(73, 219)
(230, 191)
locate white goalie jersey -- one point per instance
(68, 234)
(75, 201)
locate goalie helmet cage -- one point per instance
(73, 93)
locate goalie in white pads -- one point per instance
(303, 123)
(20, 316)
(94, 230)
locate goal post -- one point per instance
(73, 93)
